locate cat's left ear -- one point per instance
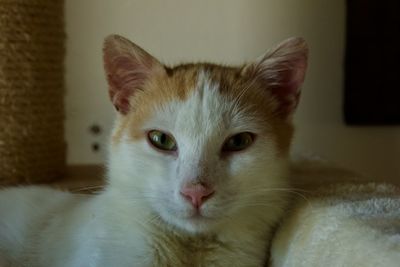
(282, 71)
(128, 67)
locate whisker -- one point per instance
(80, 189)
(249, 195)
(281, 188)
(256, 205)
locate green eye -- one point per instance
(238, 142)
(162, 140)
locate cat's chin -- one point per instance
(196, 223)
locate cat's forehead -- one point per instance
(203, 111)
(201, 95)
(187, 78)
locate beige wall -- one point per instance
(227, 31)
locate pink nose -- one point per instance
(197, 194)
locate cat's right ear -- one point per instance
(127, 68)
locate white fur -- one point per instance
(141, 219)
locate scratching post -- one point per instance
(32, 147)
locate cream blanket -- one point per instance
(340, 225)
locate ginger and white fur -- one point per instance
(141, 219)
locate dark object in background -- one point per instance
(372, 77)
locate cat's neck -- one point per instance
(236, 242)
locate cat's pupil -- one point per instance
(163, 138)
(238, 140)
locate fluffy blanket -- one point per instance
(343, 225)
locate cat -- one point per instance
(197, 169)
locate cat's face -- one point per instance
(200, 143)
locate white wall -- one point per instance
(227, 31)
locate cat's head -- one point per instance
(201, 143)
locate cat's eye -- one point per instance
(162, 141)
(238, 142)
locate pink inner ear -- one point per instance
(127, 68)
(282, 71)
(125, 75)
(287, 88)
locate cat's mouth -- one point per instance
(199, 222)
(191, 219)
(210, 212)
(198, 214)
